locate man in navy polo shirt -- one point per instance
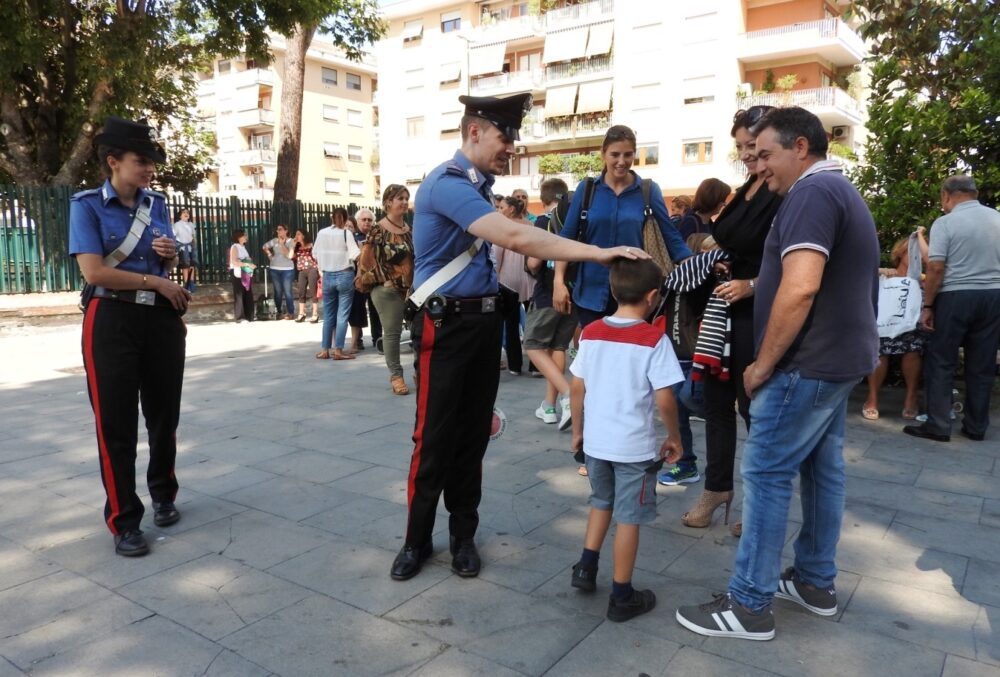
(814, 321)
(456, 332)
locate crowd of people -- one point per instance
(759, 304)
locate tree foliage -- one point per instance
(934, 108)
(67, 64)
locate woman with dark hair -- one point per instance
(740, 230)
(389, 273)
(709, 200)
(308, 276)
(133, 335)
(242, 266)
(615, 217)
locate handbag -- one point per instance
(367, 276)
(901, 298)
(652, 237)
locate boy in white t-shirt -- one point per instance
(623, 371)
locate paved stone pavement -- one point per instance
(293, 476)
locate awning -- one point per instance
(451, 121)
(487, 59)
(565, 45)
(595, 96)
(560, 100)
(601, 36)
(451, 72)
(412, 30)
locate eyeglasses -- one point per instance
(752, 115)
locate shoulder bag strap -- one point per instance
(588, 198)
(647, 210)
(139, 223)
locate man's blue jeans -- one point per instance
(338, 293)
(284, 299)
(798, 428)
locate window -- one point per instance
(413, 30)
(414, 127)
(354, 153)
(697, 151)
(354, 118)
(331, 113)
(414, 79)
(451, 121)
(225, 66)
(330, 77)
(701, 28)
(451, 21)
(451, 72)
(699, 99)
(357, 188)
(332, 186)
(529, 62)
(260, 141)
(331, 149)
(646, 97)
(647, 154)
(354, 81)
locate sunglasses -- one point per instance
(752, 115)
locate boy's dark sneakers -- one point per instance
(584, 578)
(724, 617)
(636, 604)
(822, 601)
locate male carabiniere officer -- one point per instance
(456, 328)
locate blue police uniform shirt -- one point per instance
(452, 197)
(98, 222)
(615, 220)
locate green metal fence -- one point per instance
(34, 233)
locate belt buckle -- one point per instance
(489, 304)
(145, 297)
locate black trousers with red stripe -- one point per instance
(134, 356)
(458, 371)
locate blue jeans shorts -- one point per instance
(626, 489)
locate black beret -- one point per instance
(137, 137)
(506, 113)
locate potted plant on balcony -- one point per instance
(584, 164)
(550, 164)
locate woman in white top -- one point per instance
(186, 251)
(242, 268)
(335, 250)
(511, 274)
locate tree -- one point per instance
(350, 24)
(934, 108)
(67, 64)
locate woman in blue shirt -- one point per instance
(615, 217)
(133, 335)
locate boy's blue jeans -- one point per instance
(685, 398)
(798, 429)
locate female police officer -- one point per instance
(133, 335)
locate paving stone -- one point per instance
(353, 517)
(616, 649)
(691, 661)
(40, 601)
(518, 563)
(904, 450)
(292, 499)
(357, 574)
(255, 538)
(7, 669)
(61, 520)
(72, 628)
(943, 622)
(973, 484)
(153, 646)
(959, 537)
(886, 471)
(312, 466)
(214, 596)
(458, 663)
(229, 664)
(898, 560)
(243, 449)
(956, 666)
(321, 636)
(982, 583)
(19, 565)
(94, 557)
(518, 514)
(196, 509)
(217, 478)
(929, 502)
(385, 483)
(991, 514)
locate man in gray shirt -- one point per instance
(961, 308)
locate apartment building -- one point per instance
(674, 71)
(241, 101)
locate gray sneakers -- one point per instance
(822, 601)
(723, 617)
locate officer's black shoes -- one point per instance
(584, 578)
(165, 514)
(922, 432)
(465, 558)
(131, 544)
(409, 560)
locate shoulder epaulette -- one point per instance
(84, 193)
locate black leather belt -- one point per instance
(482, 305)
(143, 297)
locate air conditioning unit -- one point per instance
(520, 150)
(840, 133)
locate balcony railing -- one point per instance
(517, 80)
(257, 156)
(816, 100)
(574, 14)
(578, 125)
(254, 76)
(594, 65)
(255, 117)
(831, 38)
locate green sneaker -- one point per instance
(679, 475)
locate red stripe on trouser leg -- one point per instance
(423, 393)
(102, 447)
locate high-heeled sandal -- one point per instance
(700, 516)
(399, 385)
